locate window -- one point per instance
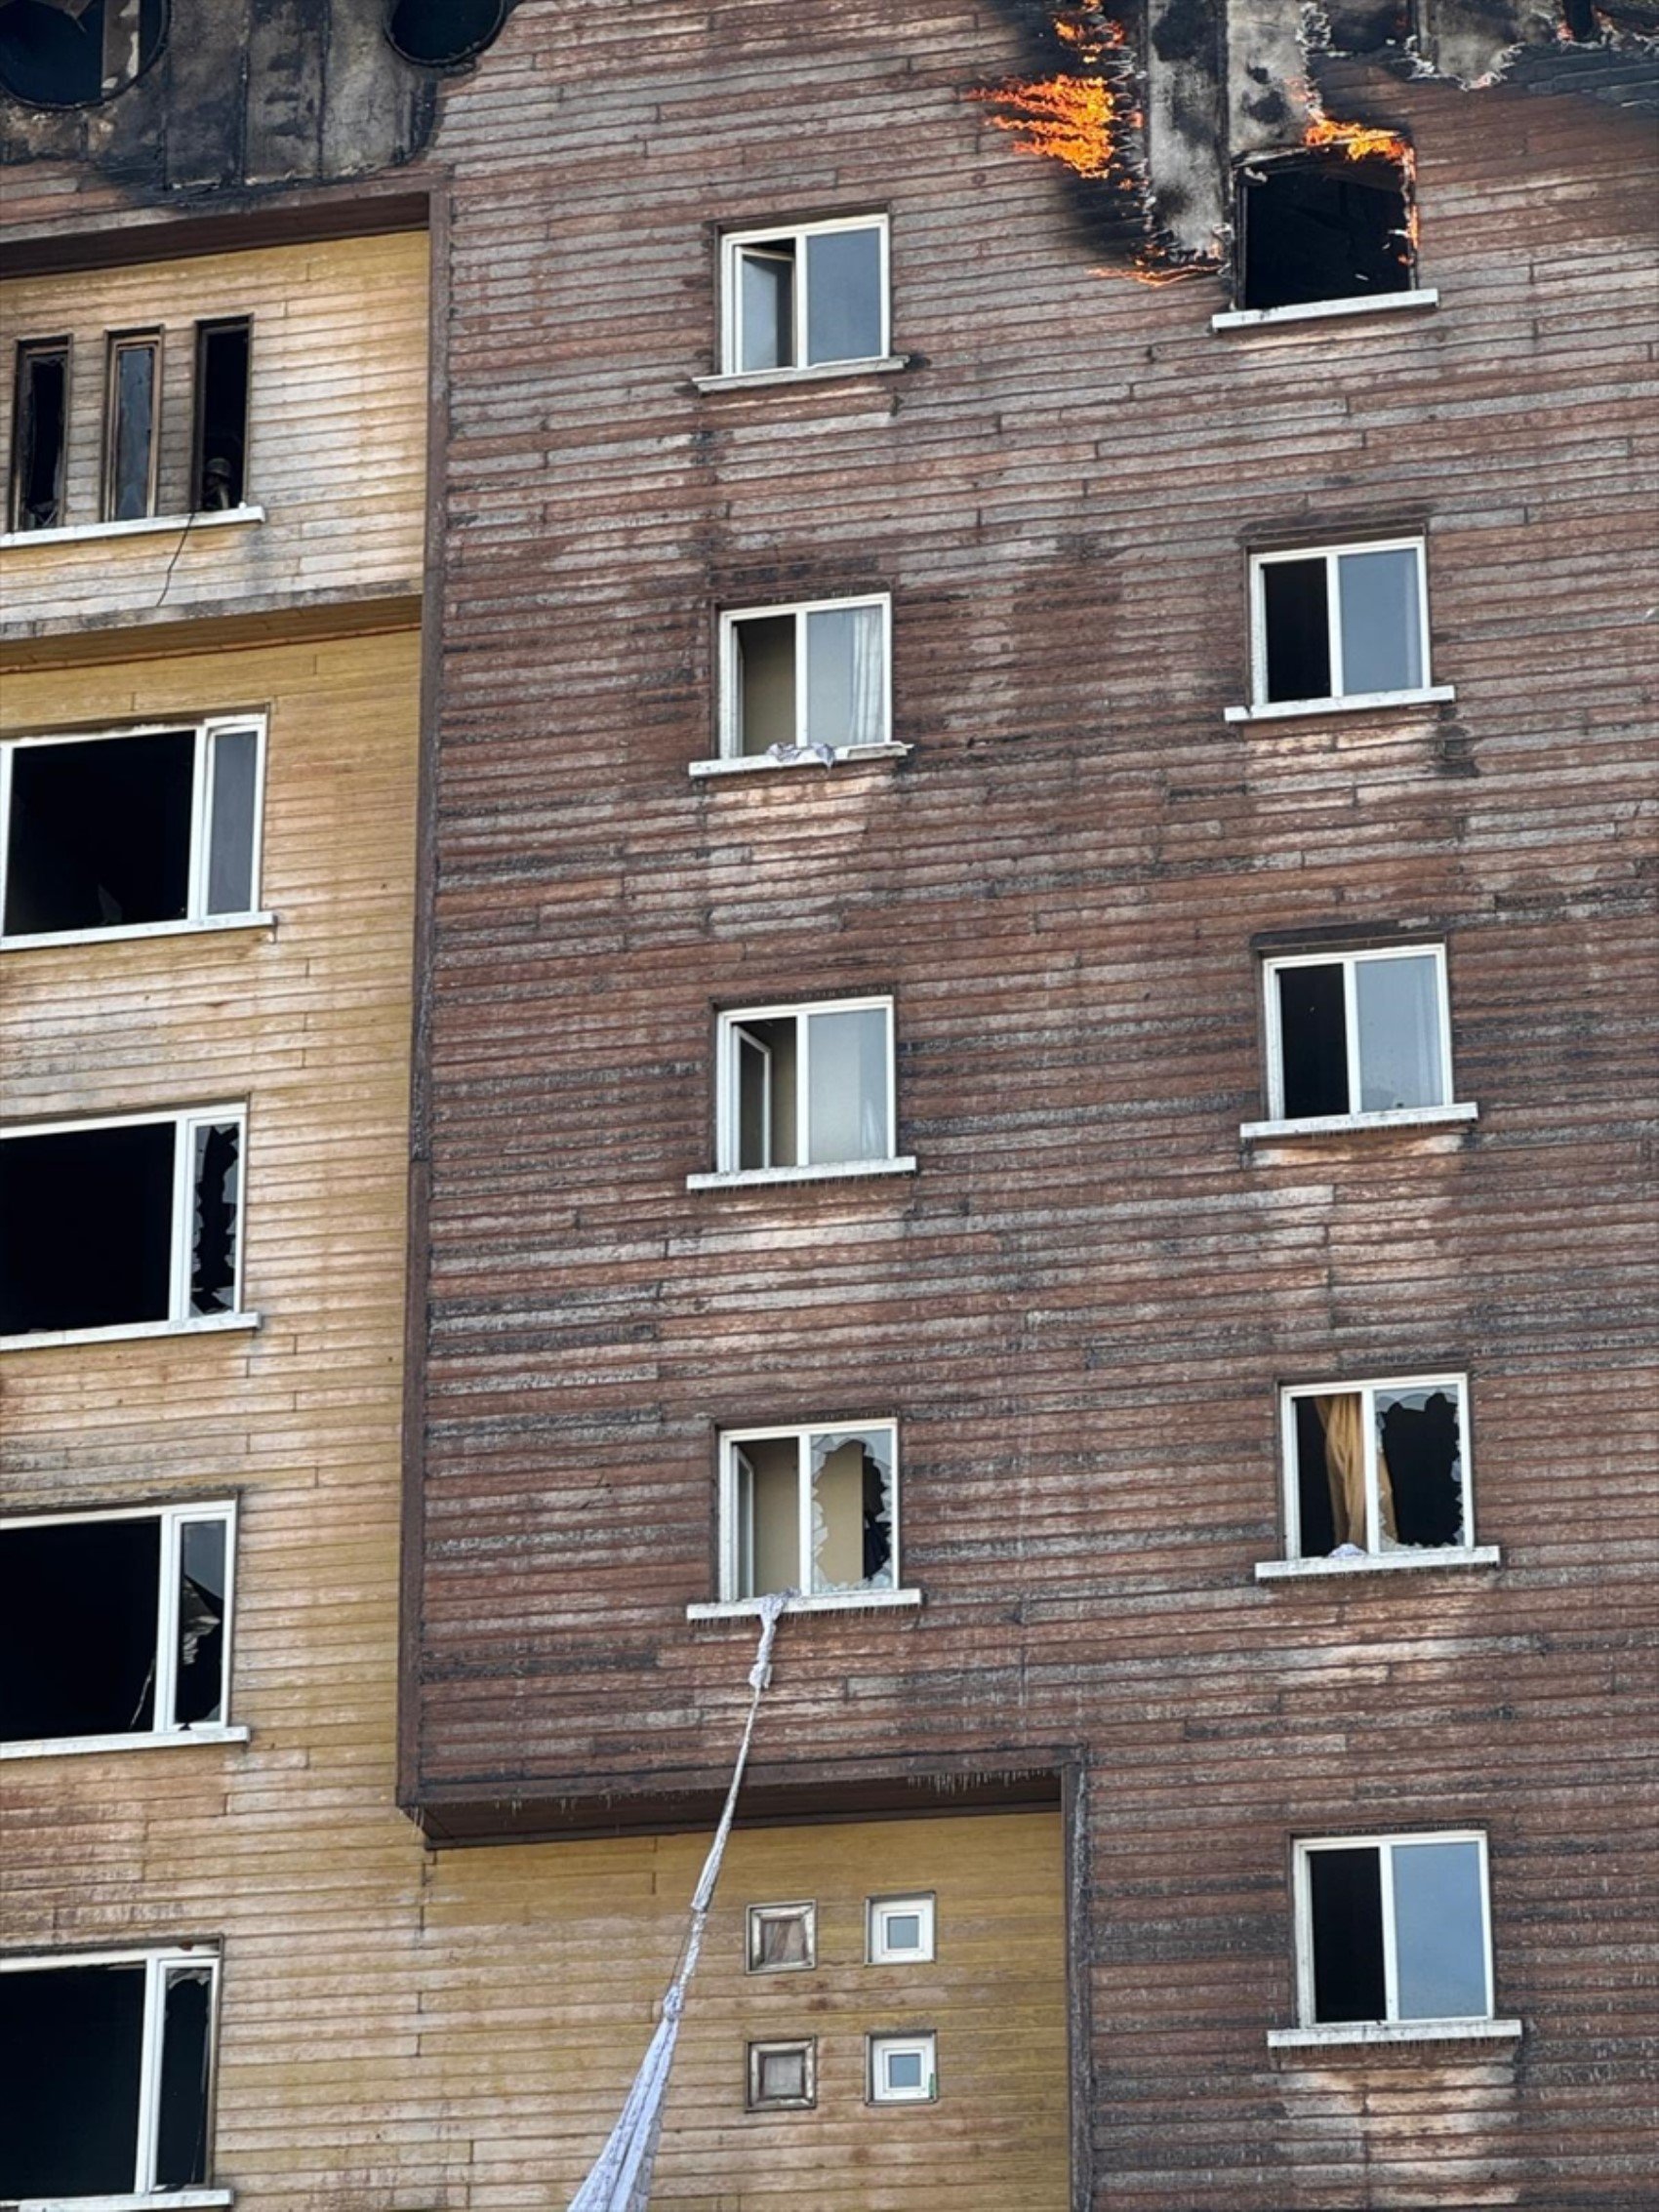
(783, 2076)
(781, 1937)
(40, 433)
(1376, 1467)
(1353, 1033)
(219, 475)
(130, 829)
(1392, 1929)
(900, 1930)
(814, 674)
(121, 1224)
(109, 2068)
(806, 1086)
(1315, 227)
(812, 1511)
(805, 296)
(78, 53)
(132, 399)
(1338, 622)
(115, 1627)
(904, 2070)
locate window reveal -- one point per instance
(781, 1937)
(40, 430)
(809, 1511)
(1378, 1467)
(1346, 623)
(783, 2076)
(1357, 1034)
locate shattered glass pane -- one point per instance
(1382, 631)
(1440, 1931)
(766, 308)
(217, 1183)
(200, 1695)
(843, 295)
(1419, 1440)
(182, 2134)
(1399, 1034)
(852, 1511)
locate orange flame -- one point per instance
(1066, 119)
(1357, 140)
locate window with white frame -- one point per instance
(115, 1627)
(810, 674)
(1377, 1467)
(1338, 622)
(904, 2070)
(805, 296)
(806, 1086)
(108, 831)
(109, 2065)
(783, 2076)
(1353, 1033)
(131, 1223)
(814, 1510)
(1392, 1929)
(781, 1939)
(899, 1931)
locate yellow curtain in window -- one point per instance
(1341, 1418)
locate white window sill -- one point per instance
(759, 762)
(831, 1601)
(1375, 1562)
(64, 1746)
(119, 933)
(1342, 1124)
(1353, 702)
(130, 1332)
(821, 372)
(741, 1178)
(179, 2199)
(1324, 310)
(141, 526)
(1393, 2032)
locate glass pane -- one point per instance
(845, 681)
(1399, 1034)
(133, 368)
(1420, 1465)
(182, 2134)
(1382, 637)
(1440, 1931)
(843, 295)
(230, 834)
(780, 1940)
(218, 1184)
(766, 294)
(1346, 1910)
(202, 1623)
(852, 1511)
(766, 682)
(1298, 639)
(904, 1931)
(781, 2075)
(847, 1102)
(70, 2042)
(904, 2070)
(1313, 1042)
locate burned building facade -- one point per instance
(863, 811)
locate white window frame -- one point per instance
(732, 1441)
(1349, 959)
(926, 2043)
(879, 1910)
(730, 733)
(732, 246)
(207, 728)
(180, 1322)
(172, 1519)
(755, 1917)
(727, 1094)
(158, 1963)
(1291, 1396)
(1261, 706)
(1385, 1846)
(757, 2045)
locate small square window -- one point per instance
(806, 1086)
(1377, 1467)
(781, 1937)
(1338, 622)
(904, 2070)
(1393, 1928)
(805, 296)
(900, 1930)
(813, 674)
(1316, 227)
(813, 1510)
(1355, 1033)
(782, 2077)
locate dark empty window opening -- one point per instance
(77, 53)
(1581, 21)
(130, 439)
(83, 2116)
(1322, 226)
(39, 435)
(223, 359)
(1378, 1467)
(1396, 1930)
(93, 1234)
(441, 34)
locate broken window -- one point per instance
(121, 1224)
(219, 475)
(108, 2066)
(899, 1930)
(115, 1624)
(810, 1511)
(808, 676)
(1580, 20)
(130, 439)
(806, 297)
(1314, 226)
(1378, 1466)
(903, 2069)
(1393, 1928)
(1342, 622)
(806, 1087)
(781, 1937)
(77, 53)
(1357, 1034)
(130, 829)
(783, 2076)
(40, 433)
(440, 34)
